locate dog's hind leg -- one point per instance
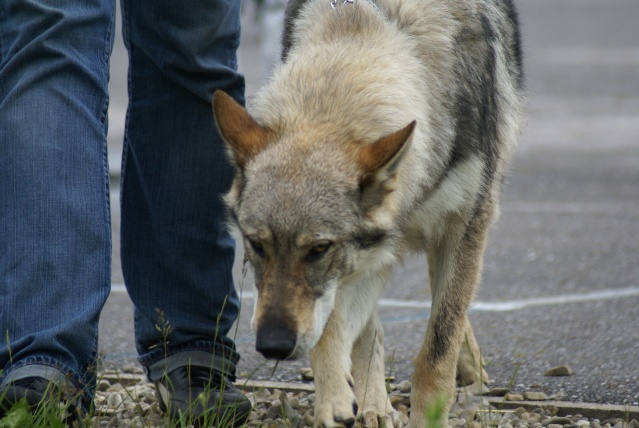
(368, 373)
(456, 262)
(470, 364)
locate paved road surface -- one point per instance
(561, 281)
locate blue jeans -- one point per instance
(55, 245)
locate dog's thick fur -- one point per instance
(386, 128)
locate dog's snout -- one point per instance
(275, 339)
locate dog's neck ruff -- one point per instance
(334, 5)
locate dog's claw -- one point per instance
(373, 419)
(337, 414)
(350, 381)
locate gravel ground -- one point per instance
(125, 399)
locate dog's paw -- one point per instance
(336, 411)
(371, 418)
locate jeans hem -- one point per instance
(160, 362)
(49, 368)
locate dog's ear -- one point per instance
(379, 161)
(241, 133)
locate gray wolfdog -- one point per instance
(386, 129)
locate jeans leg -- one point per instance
(55, 241)
(176, 253)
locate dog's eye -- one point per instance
(257, 247)
(318, 251)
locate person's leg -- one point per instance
(176, 253)
(55, 236)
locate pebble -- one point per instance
(535, 396)
(559, 371)
(115, 400)
(396, 400)
(132, 369)
(103, 385)
(497, 392)
(273, 412)
(511, 396)
(137, 422)
(456, 423)
(404, 386)
(557, 421)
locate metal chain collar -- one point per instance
(333, 4)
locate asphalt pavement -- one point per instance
(561, 274)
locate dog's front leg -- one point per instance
(335, 403)
(370, 383)
(457, 263)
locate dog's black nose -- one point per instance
(275, 340)
(275, 349)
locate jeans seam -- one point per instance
(126, 34)
(105, 156)
(106, 58)
(2, 25)
(90, 372)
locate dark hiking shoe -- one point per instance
(37, 391)
(202, 396)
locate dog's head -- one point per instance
(310, 214)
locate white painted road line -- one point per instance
(510, 305)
